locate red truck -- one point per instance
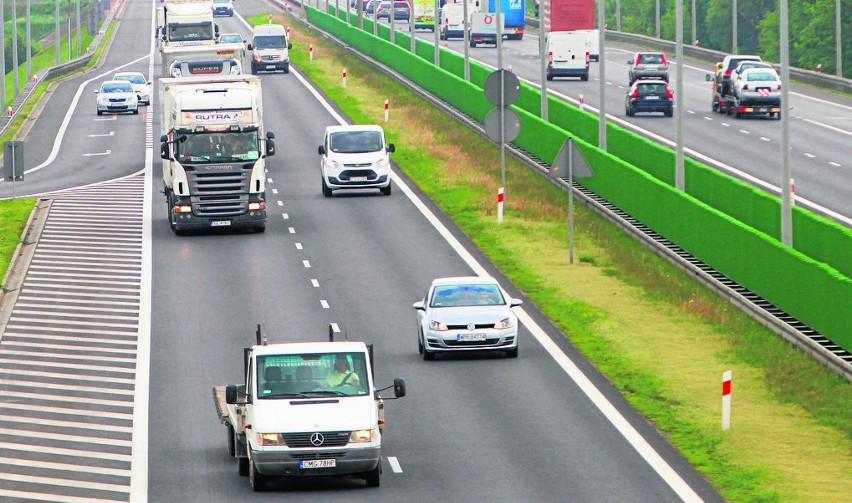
(569, 15)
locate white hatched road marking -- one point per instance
(68, 355)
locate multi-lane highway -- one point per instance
(821, 125)
(543, 427)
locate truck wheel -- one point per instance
(256, 479)
(373, 477)
(232, 447)
(253, 69)
(715, 105)
(472, 43)
(243, 466)
(669, 112)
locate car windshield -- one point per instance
(311, 375)
(356, 142)
(218, 147)
(467, 295)
(116, 87)
(652, 88)
(650, 59)
(760, 76)
(186, 32)
(222, 1)
(400, 5)
(270, 42)
(134, 79)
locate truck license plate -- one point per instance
(220, 223)
(470, 337)
(358, 178)
(318, 463)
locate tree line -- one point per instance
(811, 28)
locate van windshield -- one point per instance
(312, 375)
(356, 142)
(270, 42)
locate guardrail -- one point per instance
(710, 56)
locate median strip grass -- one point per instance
(658, 335)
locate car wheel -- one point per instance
(287, 68)
(100, 113)
(472, 43)
(232, 443)
(373, 477)
(326, 191)
(386, 191)
(253, 69)
(669, 112)
(428, 355)
(630, 112)
(135, 111)
(419, 344)
(512, 353)
(256, 479)
(715, 106)
(549, 77)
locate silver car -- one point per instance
(466, 314)
(140, 85)
(117, 96)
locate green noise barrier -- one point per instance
(726, 223)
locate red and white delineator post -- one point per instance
(500, 197)
(344, 78)
(726, 400)
(387, 110)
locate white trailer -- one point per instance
(214, 151)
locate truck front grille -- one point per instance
(219, 191)
(329, 439)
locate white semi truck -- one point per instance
(214, 152)
(170, 54)
(305, 409)
(186, 22)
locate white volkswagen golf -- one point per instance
(466, 314)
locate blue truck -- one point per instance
(514, 17)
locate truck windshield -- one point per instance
(218, 147)
(312, 375)
(189, 32)
(270, 42)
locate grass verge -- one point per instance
(13, 216)
(662, 338)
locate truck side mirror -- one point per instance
(399, 388)
(231, 394)
(164, 150)
(391, 148)
(289, 45)
(708, 78)
(270, 135)
(270, 147)
(321, 150)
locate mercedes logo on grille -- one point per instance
(471, 326)
(317, 439)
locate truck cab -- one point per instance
(306, 409)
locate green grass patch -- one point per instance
(662, 338)
(13, 216)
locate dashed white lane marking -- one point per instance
(298, 246)
(274, 191)
(763, 138)
(291, 230)
(324, 303)
(743, 131)
(307, 264)
(708, 118)
(286, 216)
(111, 133)
(725, 124)
(836, 165)
(315, 283)
(810, 156)
(269, 180)
(108, 152)
(394, 463)
(691, 112)
(335, 328)
(102, 119)
(280, 203)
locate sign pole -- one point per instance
(570, 200)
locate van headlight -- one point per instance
(383, 163)
(270, 439)
(333, 165)
(362, 436)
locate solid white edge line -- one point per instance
(139, 451)
(666, 472)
